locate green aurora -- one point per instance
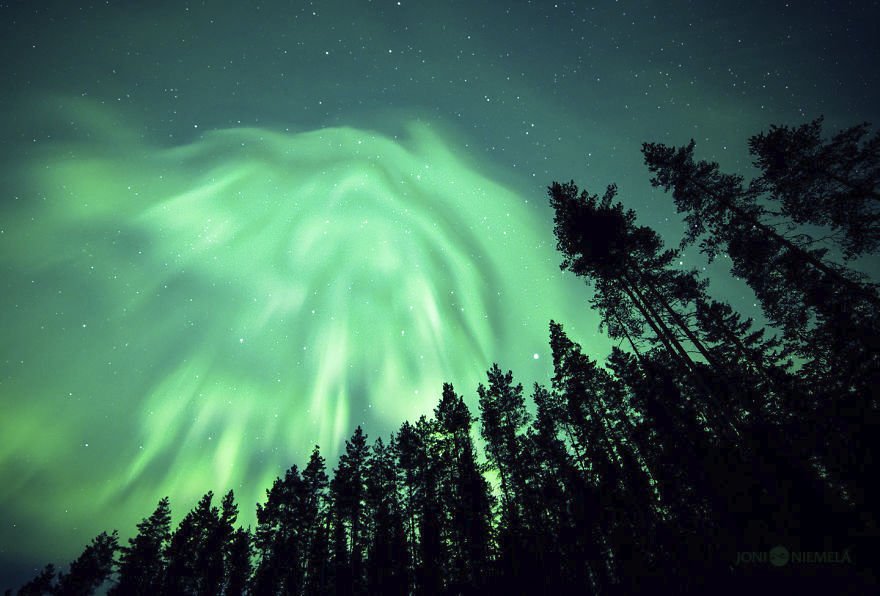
(230, 231)
(230, 303)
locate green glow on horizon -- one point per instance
(202, 315)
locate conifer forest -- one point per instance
(702, 433)
(455, 298)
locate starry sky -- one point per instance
(231, 230)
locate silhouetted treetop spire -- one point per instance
(834, 183)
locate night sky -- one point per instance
(232, 230)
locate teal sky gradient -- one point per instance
(229, 232)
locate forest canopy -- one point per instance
(706, 451)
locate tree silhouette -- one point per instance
(432, 554)
(701, 436)
(465, 494)
(741, 465)
(797, 288)
(276, 538)
(387, 554)
(197, 551)
(288, 534)
(600, 241)
(348, 493)
(828, 315)
(238, 562)
(91, 569)
(142, 564)
(406, 446)
(598, 418)
(42, 583)
(834, 183)
(314, 532)
(504, 419)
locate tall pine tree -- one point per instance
(142, 564)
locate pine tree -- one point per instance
(238, 562)
(696, 492)
(827, 312)
(215, 560)
(559, 488)
(828, 315)
(405, 446)
(597, 416)
(387, 555)
(196, 551)
(290, 536)
(348, 489)
(142, 563)
(600, 241)
(277, 536)
(419, 476)
(504, 418)
(465, 492)
(834, 183)
(91, 569)
(314, 515)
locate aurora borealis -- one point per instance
(232, 302)
(229, 232)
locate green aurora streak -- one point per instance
(198, 317)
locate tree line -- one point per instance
(672, 466)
